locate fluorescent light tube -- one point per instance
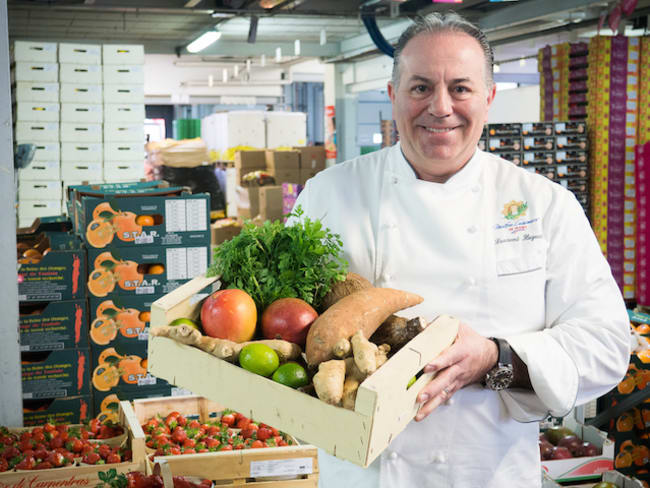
(203, 41)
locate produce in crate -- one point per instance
(137, 479)
(562, 443)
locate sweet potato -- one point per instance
(363, 310)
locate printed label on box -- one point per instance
(282, 467)
(185, 215)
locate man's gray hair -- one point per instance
(443, 22)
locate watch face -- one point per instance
(499, 378)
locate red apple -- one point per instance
(288, 319)
(229, 314)
(545, 449)
(560, 453)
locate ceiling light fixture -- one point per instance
(522, 62)
(203, 41)
(278, 54)
(248, 65)
(192, 3)
(210, 81)
(224, 75)
(263, 60)
(296, 47)
(235, 71)
(323, 37)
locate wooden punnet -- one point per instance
(293, 466)
(383, 406)
(83, 476)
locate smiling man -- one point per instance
(510, 253)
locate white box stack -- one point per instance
(123, 100)
(81, 95)
(36, 110)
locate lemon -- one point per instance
(411, 381)
(259, 359)
(292, 375)
(184, 321)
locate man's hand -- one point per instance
(466, 361)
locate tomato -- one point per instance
(113, 458)
(257, 444)
(264, 433)
(228, 419)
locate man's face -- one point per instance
(441, 103)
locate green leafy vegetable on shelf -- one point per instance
(272, 261)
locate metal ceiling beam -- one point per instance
(307, 49)
(529, 11)
(362, 44)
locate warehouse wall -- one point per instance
(516, 105)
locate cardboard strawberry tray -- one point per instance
(383, 407)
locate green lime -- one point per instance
(411, 381)
(292, 375)
(184, 321)
(259, 359)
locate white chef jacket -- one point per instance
(511, 254)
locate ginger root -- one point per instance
(328, 382)
(341, 348)
(354, 376)
(223, 348)
(364, 353)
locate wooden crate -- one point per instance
(83, 476)
(383, 407)
(290, 466)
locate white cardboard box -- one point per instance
(80, 73)
(35, 71)
(124, 73)
(124, 132)
(37, 131)
(80, 151)
(37, 112)
(81, 132)
(92, 113)
(30, 209)
(286, 129)
(123, 151)
(81, 93)
(124, 112)
(40, 171)
(124, 93)
(45, 151)
(123, 170)
(41, 52)
(40, 190)
(237, 128)
(82, 171)
(80, 53)
(34, 91)
(123, 54)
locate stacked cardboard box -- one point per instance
(85, 118)
(142, 241)
(563, 86)
(293, 166)
(53, 323)
(557, 150)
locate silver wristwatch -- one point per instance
(500, 377)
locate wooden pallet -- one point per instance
(383, 407)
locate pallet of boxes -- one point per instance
(142, 240)
(267, 180)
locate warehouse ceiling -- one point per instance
(328, 29)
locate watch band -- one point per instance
(505, 352)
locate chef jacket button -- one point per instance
(472, 229)
(471, 281)
(392, 456)
(476, 189)
(442, 458)
(395, 180)
(385, 277)
(438, 457)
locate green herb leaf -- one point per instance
(273, 261)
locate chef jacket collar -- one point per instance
(467, 176)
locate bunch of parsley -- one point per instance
(273, 261)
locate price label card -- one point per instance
(282, 467)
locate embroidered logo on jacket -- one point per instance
(513, 209)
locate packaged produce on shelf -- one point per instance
(46, 326)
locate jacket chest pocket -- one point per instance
(520, 281)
